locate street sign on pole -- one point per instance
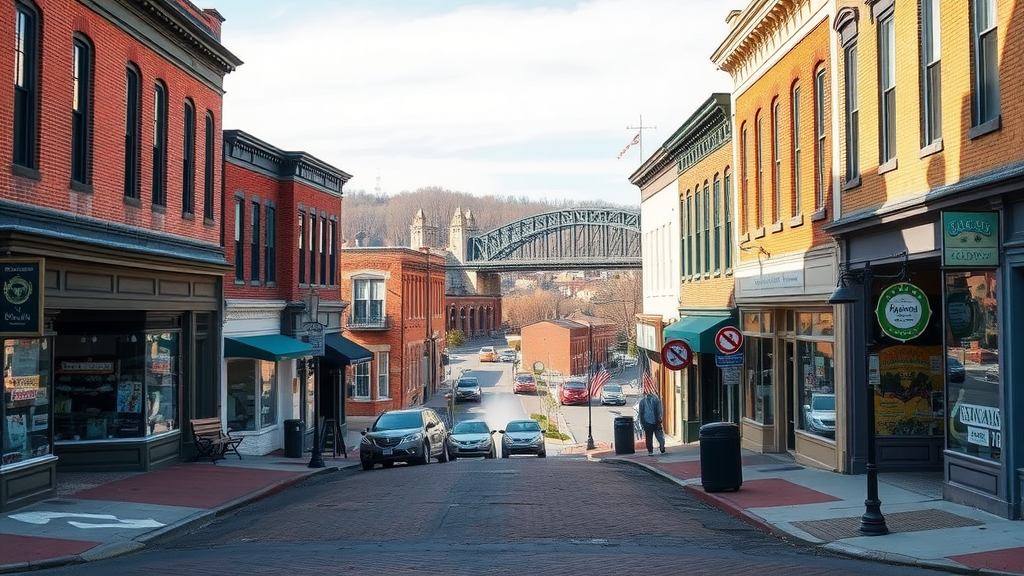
(728, 340)
(315, 335)
(676, 354)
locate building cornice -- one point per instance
(247, 151)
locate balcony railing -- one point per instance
(365, 322)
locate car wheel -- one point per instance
(367, 465)
(425, 458)
(443, 456)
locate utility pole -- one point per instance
(640, 127)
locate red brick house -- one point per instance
(564, 345)
(110, 226)
(396, 299)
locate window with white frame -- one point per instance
(986, 61)
(852, 112)
(931, 85)
(820, 182)
(776, 163)
(252, 394)
(887, 88)
(383, 375)
(796, 196)
(361, 381)
(368, 301)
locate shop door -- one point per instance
(713, 400)
(790, 407)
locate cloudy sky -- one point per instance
(521, 98)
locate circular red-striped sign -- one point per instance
(728, 340)
(676, 354)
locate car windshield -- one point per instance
(398, 421)
(823, 403)
(575, 385)
(471, 428)
(467, 384)
(612, 388)
(524, 378)
(524, 426)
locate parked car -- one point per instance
(522, 437)
(468, 388)
(524, 383)
(955, 370)
(820, 414)
(508, 355)
(573, 392)
(412, 436)
(471, 438)
(487, 354)
(613, 394)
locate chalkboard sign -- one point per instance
(21, 304)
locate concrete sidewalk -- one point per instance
(822, 508)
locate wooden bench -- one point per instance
(212, 441)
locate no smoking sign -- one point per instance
(676, 354)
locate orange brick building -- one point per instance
(932, 173)
(397, 309)
(565, 346)
(779, 56)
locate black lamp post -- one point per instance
(590, 386)
(872, 523)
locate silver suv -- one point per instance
(413, 436)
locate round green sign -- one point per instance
(538, 367)
(903, 311)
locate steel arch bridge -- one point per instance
(571, 239)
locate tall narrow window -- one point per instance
(239, 248)
(707, 227)
(332, 243)
(796, 196)
(689, 235)
(254, 243)
(383, 375)
(269, 244)
(887, 95)
(81, 115)
(208, 154)
(132, 133)
(323, 249)
(727, 186)
(368, 302)
(986, 61)
(931, 85)
(852, 112)
(312, 247)
(698, 226)
(159, 144)
(25, 74)
(744, 183)
(820, 182)
(717, 242)
(776, 164)
(302, 249)
(188, 171)
(684, 241)
(759, 153)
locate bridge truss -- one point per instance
(572, 239)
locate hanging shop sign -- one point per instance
(903, 311)
(970, 239)
(21, 307)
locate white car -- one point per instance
(820, 415)
(613, 394)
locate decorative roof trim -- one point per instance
(245, 150)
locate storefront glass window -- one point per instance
(972, 364)
(115, 386)
(816, 385)
(252, 394)
(25, 424)
(760, 394)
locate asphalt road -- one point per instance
(558, 515)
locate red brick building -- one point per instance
(564, 345)
(282, 214)
(396, 299)
(110, 223)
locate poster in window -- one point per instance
(129, 397)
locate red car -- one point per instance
(573, 392)
(523, 383)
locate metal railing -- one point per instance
(364, 322)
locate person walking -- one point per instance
(651, 412)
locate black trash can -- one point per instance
(720, 464)
(294, 434)
(624, 442)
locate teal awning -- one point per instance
(272, 347)
(344, 351)
(698, 331)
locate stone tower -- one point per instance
(420, 234)
(457, 236)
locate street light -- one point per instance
(872, 523)
(590, 385)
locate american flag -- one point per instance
(600, 379)
(649, 386)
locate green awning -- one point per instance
(272, 347)
(698, 331)
(344, 351)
